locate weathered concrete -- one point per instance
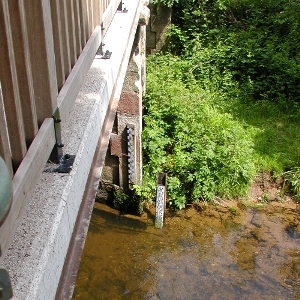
(111, 173)
(36, 256)
(129, 114)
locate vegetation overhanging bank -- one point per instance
(222, 102)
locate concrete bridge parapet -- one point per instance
(39, 245)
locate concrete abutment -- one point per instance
(150, 37)
(40, 242)
(123, 163)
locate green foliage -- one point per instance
(227, 105)
(232, 209)
(168, 3)
(132, 202)
(120, 198)
(144, 193)
(255, 42)
(205, 152)
(292, 181)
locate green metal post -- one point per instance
(5, 203)
(5, 191)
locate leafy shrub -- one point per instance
(292, 181)
(168, 3)
(256, 42)
(131, 202)
(205, 153)
(227, 105)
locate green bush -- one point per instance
(225, 103)
(168, 3)
(204, 152)
(131, 202)
(256, 42)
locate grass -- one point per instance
(274, 132)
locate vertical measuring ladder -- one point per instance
(131, 155)
(160, 200)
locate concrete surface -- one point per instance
(37, 253)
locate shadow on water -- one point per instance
(212, 254)
(117, 222)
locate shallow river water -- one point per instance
(205, 252)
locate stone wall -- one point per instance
(123, 164)
(160, 20)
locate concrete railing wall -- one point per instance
(46, 49)
(37, 233)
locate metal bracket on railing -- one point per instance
(121, 9)
(106, 55)
(100, 49)
(5, 285)
(65, 162)
(57, 152)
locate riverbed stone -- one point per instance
(257, 220)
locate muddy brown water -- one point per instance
(204, 252)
